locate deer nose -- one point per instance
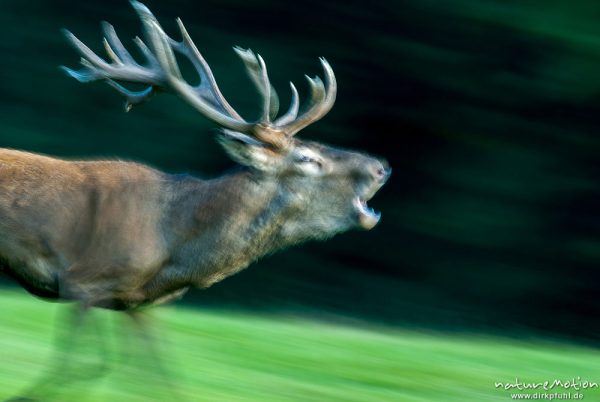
(382, 170)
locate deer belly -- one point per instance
(38, 276)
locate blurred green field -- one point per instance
(225, 356)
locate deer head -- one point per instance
(324, 189)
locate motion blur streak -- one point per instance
(223, 355)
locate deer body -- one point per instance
(123, 232)
(120, 234)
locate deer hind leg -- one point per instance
(80, 353)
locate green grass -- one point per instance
(225, 356)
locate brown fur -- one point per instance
(120, 234)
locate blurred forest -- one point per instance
(488, 112)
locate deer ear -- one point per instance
(248, 151)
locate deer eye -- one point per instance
(306, 159)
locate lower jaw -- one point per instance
(367, 222)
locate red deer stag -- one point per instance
(120, 235)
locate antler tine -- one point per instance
(257, 70)
(120, 55)
(113, 45)
(207, 88)
(292, 112)
(206, 97)
(320, 103)
(272, 107)
(93, 65)
(133, 98)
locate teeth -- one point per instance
(367, 218)
(365, 209)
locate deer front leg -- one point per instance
(145, 353)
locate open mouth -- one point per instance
(367, 216)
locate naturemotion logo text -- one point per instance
(575, 384)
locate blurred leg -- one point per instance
(149, 357)
(71, 362)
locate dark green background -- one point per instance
(487, 111)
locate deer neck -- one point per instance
(236, 219)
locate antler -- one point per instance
(161, 73)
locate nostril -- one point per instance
(382, 171)
(379, 170)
